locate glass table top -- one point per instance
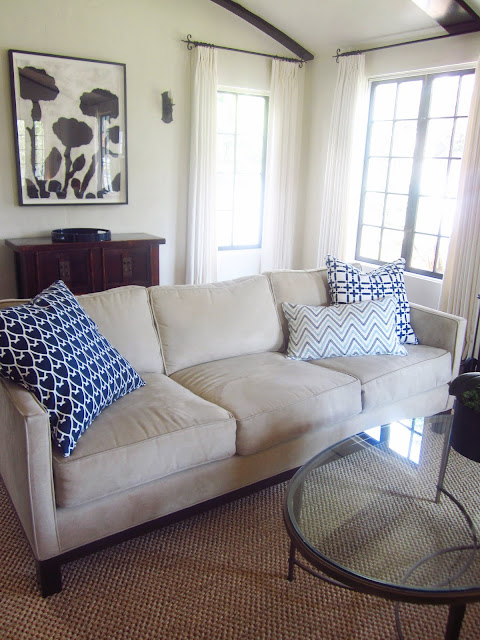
(365, 508)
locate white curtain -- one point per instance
(282, 169)
(461, 281)
(340, 201)
(201, 259)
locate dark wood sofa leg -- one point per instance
(50, 576)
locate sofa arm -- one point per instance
(26, 466)
(440, 329)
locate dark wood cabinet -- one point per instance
(86, 267)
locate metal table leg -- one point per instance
(443, 463)
(454, 622)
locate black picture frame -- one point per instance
(70, 129)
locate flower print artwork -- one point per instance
(70, 124)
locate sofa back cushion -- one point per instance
(307, 287)
(123, 315)
(12, 302)
(202, 323)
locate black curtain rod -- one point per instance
(193, 43)
(398, 44)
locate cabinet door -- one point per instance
(129, 265)
(73, 267)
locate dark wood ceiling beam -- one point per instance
(455, 16)
(266, 27)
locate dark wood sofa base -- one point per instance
(50, 571)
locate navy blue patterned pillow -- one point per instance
(52, 348)
(348, 284)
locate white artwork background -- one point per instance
(73, 78)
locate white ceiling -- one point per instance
(322, 26)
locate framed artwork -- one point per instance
(70, 129)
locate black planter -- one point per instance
(465, 436)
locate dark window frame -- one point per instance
(414, 190)
(234, 247)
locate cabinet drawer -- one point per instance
(73, 267)
(126, 266)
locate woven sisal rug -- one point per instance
(220, 575)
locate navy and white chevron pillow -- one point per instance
(358, 329)
(53, 348)
(348, 284)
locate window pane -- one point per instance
(380, 139)
(439, 136)
(466, 91)
(442, 255)
(412, 168)
(224, 191)
(459, 137)
(251, 115)
(429, 214)
(395, 211)
(241, 136)
(370, 242)
(453, 178)
(423, 256)
(249, 154)
(408, 100)
(404, 137)
(391, 245)
(384, 101)
(434, 177)
(224, 228)
(448, 214)
(377, 174)
(247, 210)
(225, 152)
(400, 173)
(373, 208)
(444, 96)
(226, 112)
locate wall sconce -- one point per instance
(167, 106)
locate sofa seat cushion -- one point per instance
(386, 379)
(273, 398)
(162, 429)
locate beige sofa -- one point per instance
(223, 410)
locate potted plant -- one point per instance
(465, 436)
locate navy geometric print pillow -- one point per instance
(53, 348)
(348, 284)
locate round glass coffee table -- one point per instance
(383, 513)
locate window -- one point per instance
(404, 437)
(241, 147)
(416, 134)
